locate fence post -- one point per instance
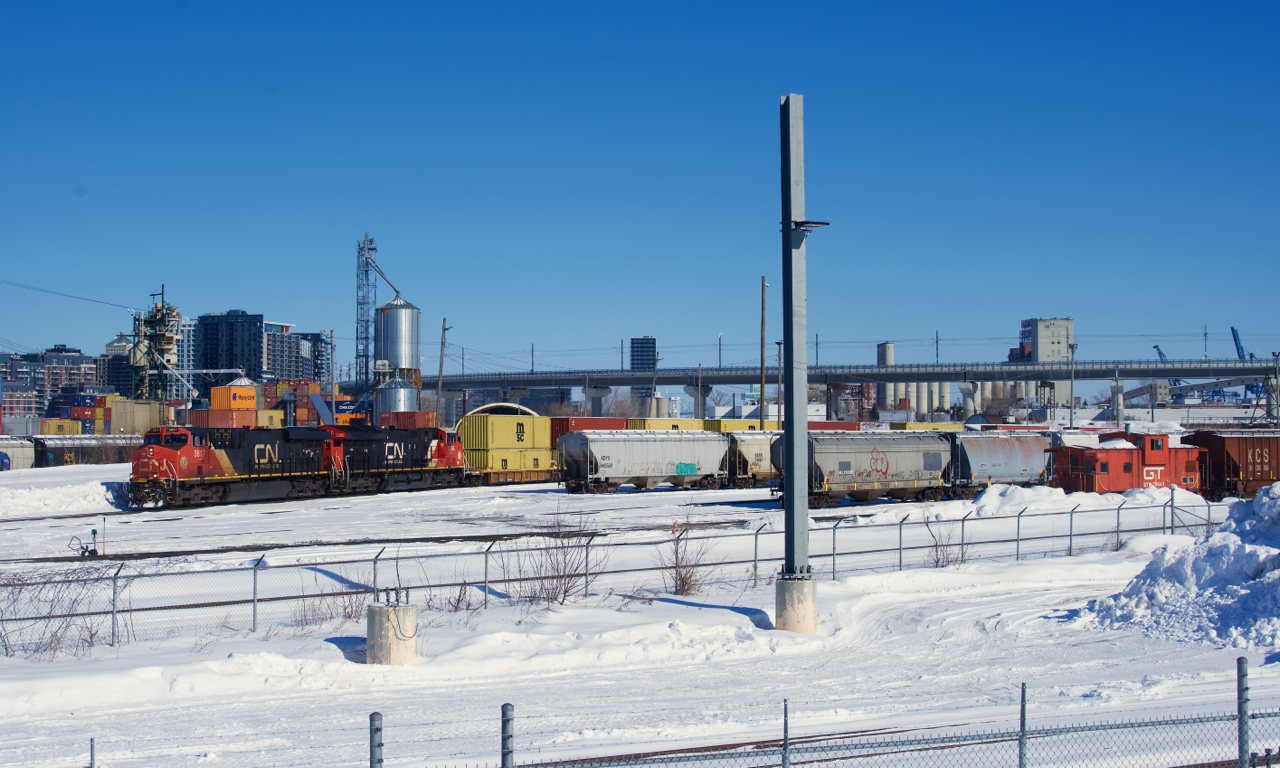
(1126, 501)
(508, 735)
(375, 573)
(833, 548)
(486, 573)
(375, 740)
(1242, 709)
(1022, 730)
(900, 524)
(254, 627)
(1018, 551)
(586, 568)
(755, 558)
(786, 735)
(1071, 531)
(962, 522)
(115, 598)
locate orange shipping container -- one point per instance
(233, 399)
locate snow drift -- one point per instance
(1223, 588)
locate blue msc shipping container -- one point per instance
(66, 411)
(86, 426)
(83, 401)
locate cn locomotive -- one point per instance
(187, 466)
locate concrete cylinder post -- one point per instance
(922, 399)
(967, 389)
(508, 735)
(392, 634)
(988, 393)
(797, 594)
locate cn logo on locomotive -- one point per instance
(266, 454)
(395, 451)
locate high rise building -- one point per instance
(1044, 340)
(231, 339)
(644, 357)
(119, 345)
(320, 355)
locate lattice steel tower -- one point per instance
(366, 299)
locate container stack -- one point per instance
(407, 419)
(737, 425)
(665, 424)
(496, 443)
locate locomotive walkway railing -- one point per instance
(47, 613)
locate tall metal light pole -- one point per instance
(760, 408)
(444, 328)
(1072, 393)
(720, 351)
(796, 607)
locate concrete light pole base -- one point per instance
(796, 608)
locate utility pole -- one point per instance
(622, 355)
(444, 328)
(817, 352)
(531, 358)
(935, 347)
(720, 351)
(796, 606)
(763, 285)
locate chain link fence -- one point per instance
(46, 613)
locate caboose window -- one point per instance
(1128, 467)
(1157, 444)
(1075, 461)
(1103, 467)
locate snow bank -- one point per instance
(1001, 500)
(56, 490)
(1224, 588)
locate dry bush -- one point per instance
(683, 563)
(59, 595)
(945, 550)
(554, 573)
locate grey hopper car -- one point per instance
(866, 467)
(750, 458)
(979, 459)
(600, 460)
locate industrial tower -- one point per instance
(366, 297)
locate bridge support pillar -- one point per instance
(966, 391)
(1117, 402)
(699, 395)
(597, 396)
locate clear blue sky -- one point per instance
(570, 175)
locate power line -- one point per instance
(67, 295)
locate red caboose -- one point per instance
(1121, 462)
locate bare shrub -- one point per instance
(49, 600)
(683, 563)
(554, 573)
(945, 550)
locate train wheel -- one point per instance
(713, 483)
(818, 500)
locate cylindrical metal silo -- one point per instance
(396, 334)
(396, 396)
(922, 398)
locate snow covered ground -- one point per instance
(42, 509)
(609, 676)
(619, 672)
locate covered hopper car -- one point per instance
(919, 466)
(184, 466)
(595, 461)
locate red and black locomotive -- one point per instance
(186, 466)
